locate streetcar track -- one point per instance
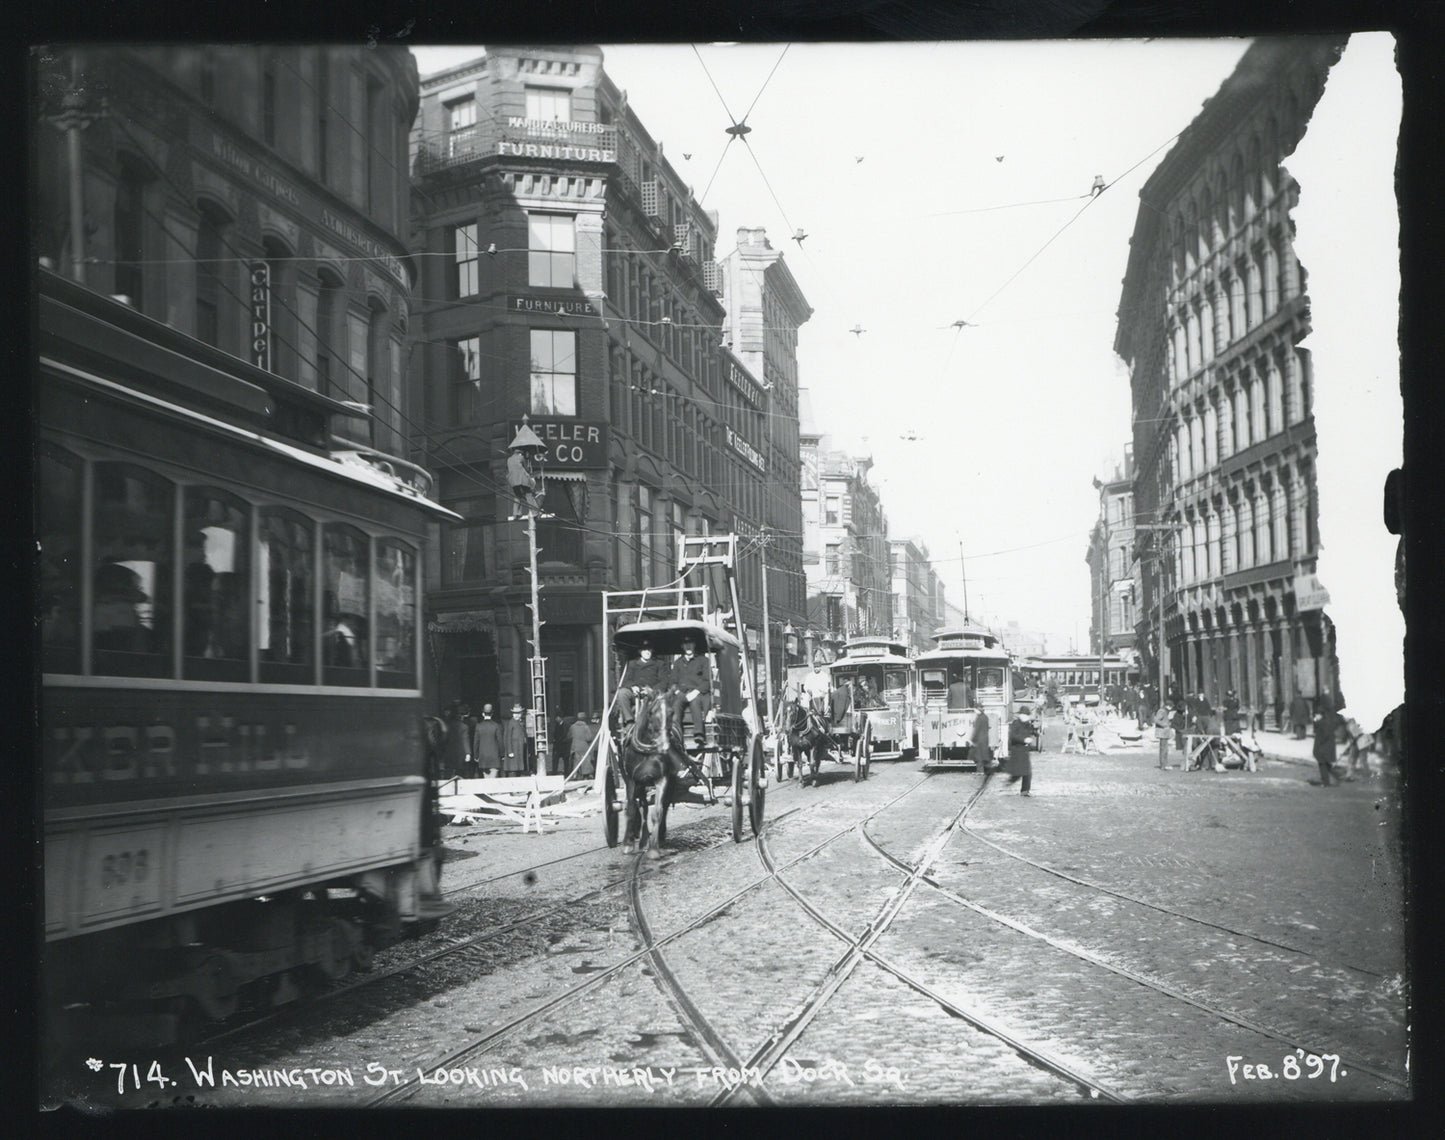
(1088, 956)
(489, 1040)
(772, 1051)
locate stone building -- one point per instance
(1112, 563)
(1213, 308)
(845, 548)
(918, 598)
(568, 276)
(254, 198)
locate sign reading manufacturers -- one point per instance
(572, 445)
(261, 315)
(745, 449)
(562, 306)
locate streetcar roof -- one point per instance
(667, 636)
(939, 656)
(892, 659)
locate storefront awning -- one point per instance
(464, 621)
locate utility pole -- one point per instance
(527, 441)
(763, 538)
(1163, 531)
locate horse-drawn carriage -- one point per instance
(815, 731)
(653, 752)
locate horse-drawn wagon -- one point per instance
(832, 729)
(693, 729)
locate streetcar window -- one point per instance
(133, 559)
(395, 614)
(345, 580)
(990, 678)
(216, 586)
(59, 488)
(895, 680)
(286, 579)
(934, 679)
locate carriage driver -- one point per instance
(642, 672)
(691, 685)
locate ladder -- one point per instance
(539, 713)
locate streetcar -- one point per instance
(966, 672)
(725, 753)
(882, 677)
(235, 794)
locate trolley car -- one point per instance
(967, 672)
(234, 787)
(724, 753)
(882, 677)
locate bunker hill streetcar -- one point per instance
(234, 793)
(967, 672)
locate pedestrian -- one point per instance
(641, 673)
(1176, 722)
(1299, 715)
(978, 747)
(1161, 734)
(691, 684)
(580, 735)
(487, 743)
(1325, 724)
(960, 696)
(468, 722)
(1231, 713)
(457, 747)
(514, 744)
(1020, 766)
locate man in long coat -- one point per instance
(642, 672)
(579, 738)
(978, 749)
(1020, 766)
(691, 686)
(514, 744)
(487, 743)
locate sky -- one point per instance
(936, 183)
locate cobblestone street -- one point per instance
(1126, 933)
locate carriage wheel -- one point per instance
(609, 801)
(737, 784)
(756, 791)
(862, 750)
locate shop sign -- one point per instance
(559, 306)
(571, 444)
(745, 449)
(261, 315)
(1309, 594)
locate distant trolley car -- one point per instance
(967, 672)
(882, 677)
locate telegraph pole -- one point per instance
(763, 538)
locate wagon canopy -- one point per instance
(667, 637)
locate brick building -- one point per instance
(568, 276)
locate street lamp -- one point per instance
(521, 451)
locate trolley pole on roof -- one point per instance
(528, 443)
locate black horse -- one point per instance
(807, 736)
(652, 764)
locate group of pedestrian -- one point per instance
(1018, 766)
(482, 745)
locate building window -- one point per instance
(130, 233)
(208, 278)
(832, 510)
(551, 104)
(328, 305)
(468, 551)
(468, 267)
(644, 536)
(461, 125)
(561, 535)
(554, 373)
(464, 379)
(552, 250)
(268, 102)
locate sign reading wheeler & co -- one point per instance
(571, 444)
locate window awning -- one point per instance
(565, 476)
(464, 621)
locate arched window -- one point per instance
(286, 583)
(1237, 205)
(132, 561)
(1242, 436)
(328, 339)
(210, 276)
(1259, 427)
(1274, 396)
(216, 586)
(1263, 548)
(130, 231)
(1246, 527)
